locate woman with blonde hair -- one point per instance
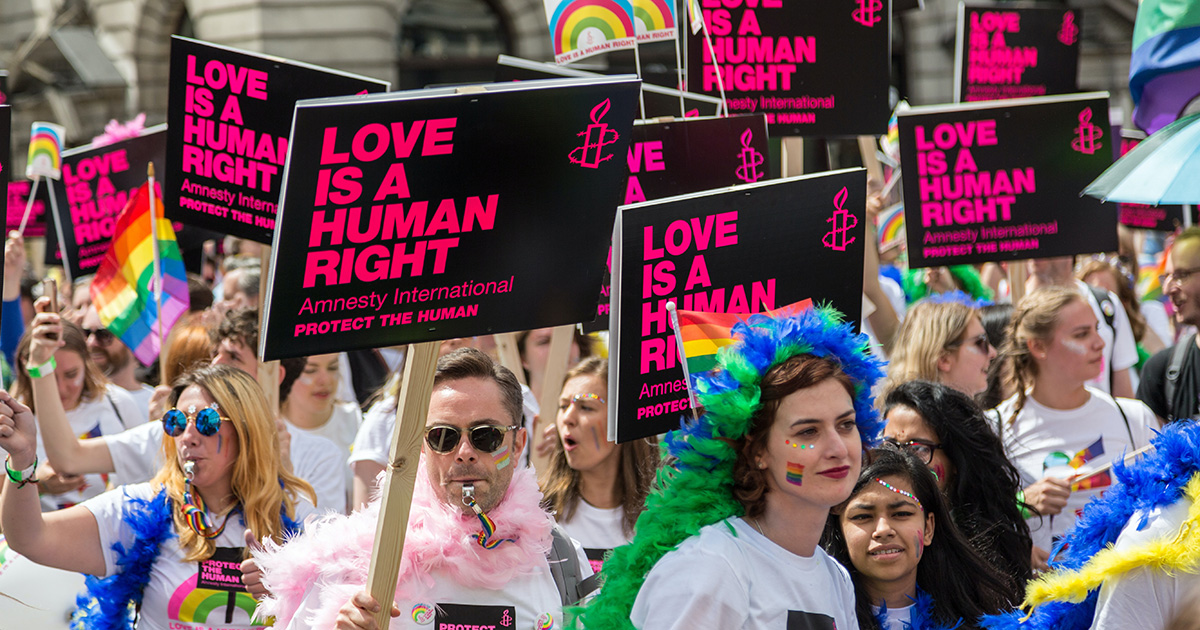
(159, 549)
(596, 488)
(942, 342)
(1056, 429)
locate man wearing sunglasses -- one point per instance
(477, 533)
(116, 359)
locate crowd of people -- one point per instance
(933, 472)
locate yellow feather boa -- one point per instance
(1177, 554)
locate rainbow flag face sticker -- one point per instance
(45, 151)
(581, 28)
(501, 458)
(795, 474)
(654, 20)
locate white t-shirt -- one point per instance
(108, 414)
(1145, 598)
(176, 596)
(1117, 356)
(718, 580)
(1065, 442)
(142, 396)
(137, 457)
(598, 530)
(341, 429)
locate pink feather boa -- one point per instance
(334, 553)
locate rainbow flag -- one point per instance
(1094, 450)
(695, 15)
(890, 142)
(1164, 72)
(702, 334)
(891, 225)
(1148, 285)
(122, 290)
(582, 28)
(45, 150)
(654, 20)
(1101, 480)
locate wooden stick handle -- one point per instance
(552, 382)
(412, 407)
(510, 354)
(268, 371)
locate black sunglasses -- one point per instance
(208, 421)
(104, 336)
(485, 438)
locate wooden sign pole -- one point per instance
(1016, 281)
(412, 407)
(268, 371)
(791, 156)
(866, 147)
(510, 355)
(552, 382)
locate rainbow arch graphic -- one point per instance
(581, 28)
(654, 20)
(45, 150)
(189, 604)
(891, 224)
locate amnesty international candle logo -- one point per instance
(595, 138)
(1068, 33)
(1087, 135)
(843, 222)
(867, 12)
(751, 159)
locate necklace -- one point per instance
(758, 524)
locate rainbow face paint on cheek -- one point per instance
(795, 474)
(795, 445)
(939, 471)
(220, 442)
(920, 545)
(501, 458)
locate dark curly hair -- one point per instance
(983, 488)
(799, 372)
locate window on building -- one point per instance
(450, 42)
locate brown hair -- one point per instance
(473, 363)
(75, 340)
(637, 462)
(1124, 292)
(1034, 318)
(239, 325)
(797, 373)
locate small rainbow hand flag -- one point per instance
(1149, 286)
(695, 15)
(702, 334)
(45, 151)
(123, 290)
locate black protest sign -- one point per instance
(744, 249)
(1142, 216)
(1010, 52)
(96, 183)
(428, 215)
(814, 67)
(230, 113)
(18, 198)
(1000, 180)
(6, 151)
(659, 101)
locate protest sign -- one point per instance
(1000, 180)
(674, 158)
(230, 113)
(742, 249)
(18, 197)
(427, 215)
(95, 185)
(6, 152)
(1007, 52)
(1136, 215)
(660, 101)
(814, 67)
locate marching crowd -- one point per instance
(927, 474)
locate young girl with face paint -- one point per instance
(596, 488)
(1056, 429)
(905, 555)
(92, 405)
(729, 539)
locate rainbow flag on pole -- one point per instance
(45, 151)
(123, 289)
(582, 28)
(1164, 72)
(702, 334)
(695, 15)
(1148, 285)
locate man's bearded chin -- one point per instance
(117, 358)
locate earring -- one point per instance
(762, 465)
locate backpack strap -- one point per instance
(1178, 356)
(565, 568)
(1128, 429)
(1109, 310)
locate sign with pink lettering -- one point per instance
(426, 215)
(18, 197)
(6, 150)
(690, 155)
(1007, 52)
(1000, 180)
(96, 183)
(742, 249)
(1137, 215)
(813, 67)
(230, 113)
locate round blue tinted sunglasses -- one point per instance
(207, 421)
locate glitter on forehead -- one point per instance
(582, 397)
(901, 492)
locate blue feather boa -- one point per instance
(921, 617)
(112, 603)
(1155, 480)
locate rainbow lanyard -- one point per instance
(193, 508)
(484, 538)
